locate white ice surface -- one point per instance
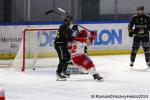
(41, 84)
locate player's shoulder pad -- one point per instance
(62, 27)
(135, 15)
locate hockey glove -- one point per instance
(92, 36)
(131, 32)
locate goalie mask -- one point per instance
(68, 19)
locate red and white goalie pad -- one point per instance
(77, 54)
(83, 61)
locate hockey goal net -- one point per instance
(36, 49)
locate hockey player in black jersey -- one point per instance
(140, 34)
(63, 36)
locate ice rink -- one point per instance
(119, 80)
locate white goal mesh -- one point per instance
(36, 49)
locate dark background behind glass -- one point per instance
(81, 10)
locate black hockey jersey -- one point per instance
(141, 24)
(64, 34)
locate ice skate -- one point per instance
(148, 64)
(60, 77)
(131, 64)
(97, 77)
(67, 75)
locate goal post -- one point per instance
(36, 44)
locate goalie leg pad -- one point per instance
(83, 61)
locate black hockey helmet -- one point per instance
(140, 8)
(68, 19)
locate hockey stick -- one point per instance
(63, 16)
(48, 12)
(60, 9)
(52, 11)
(65, 12)
(83, 27)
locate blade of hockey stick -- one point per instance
(53, 11)
(48, 12)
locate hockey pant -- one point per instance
(136, 44)
(64, 57)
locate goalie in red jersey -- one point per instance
(78, 56)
